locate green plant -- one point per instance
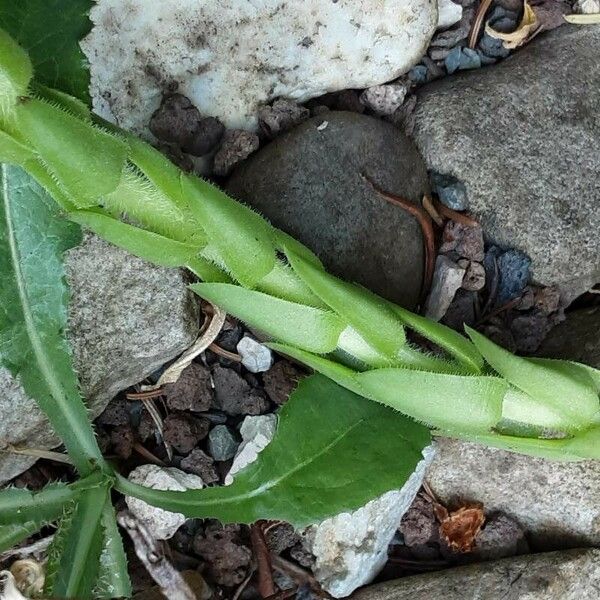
(54, 147)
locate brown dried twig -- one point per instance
(454, 215)
(432, 211)
(482, 9)
(424, 220)
(224, 353)
(266, 586)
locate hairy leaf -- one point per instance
(363, 310)
(19, 505)
(241, 236)
(33, 315)
(451, 341)
(86, 161)
(333, 451)
(11, 535)
(74, 558)
(145, 244)
(448, 402)
(15, 73)
(567, 391)
(308, 328)
(50, 31)
(113, 578)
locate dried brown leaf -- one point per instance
(460, 528)
(583, 19)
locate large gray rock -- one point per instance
(571, 575)
(524, 138)
(126, 319)
(558, 503)
(308, 182)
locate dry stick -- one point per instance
(455, 215)
(224, 353)
(478, 21)
(266, 586)
(151, 408)
(432, 211)
(170, 581)
(143, 451)
(424, 221)
(243, 585)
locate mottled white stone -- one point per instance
(449, 13)
(256, 357)
(162, 524)
(351, 548)
(256, 433)
(229, 57)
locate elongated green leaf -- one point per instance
(74, 557)
(12, 151)
(285, 242)
(87, 161)
(11, 535)
(570, 392)
(455, 344)
(20, 506)
(33, 315)
(242, 237)
(308, 328)
(363, 310)
(15, 74)
(309, 472)
(71, 104)
(113, 578)
(283, 283)
(50, 31)
(448, 402)
(145, 244)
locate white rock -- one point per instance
(256, 357)
(385, 99)
(231, 56)
(256, 433)
(449, 13)
(447, 279)
(351, 548)
(587, 7)
(162, 524)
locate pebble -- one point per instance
(500, 537)
(122, 440)
(256, 434)
(385, 99)
(183, 431)
(281, 380)
(201, 464)
(447, 279)
(256, 357)
(449, 13)
(474, 279)
(235, 396)
(161, 524)
(452, 60)
(192, 391)
(450, 191)
(205, 138)
(462, 311)
(116, 413)
(418, 74)
(469, 59)
(237, 145)
(463, 240)
(176, 120)
(587, 7)
(222, 444)
(282, 115)
(514, 267)
(492, 47)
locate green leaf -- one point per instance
(282, 282)
(13, 151)
(15, 74)
(364, 311)
(86, 161)
(145, 244)
(307, 473)
(447, 402)
(20, 506)
(569, 392)
(451, 341)
(11, 535)
(50, 31)
(308, 328)
(74, 556)
(33, 314)
(241, 236)
(113, 579)
(285, 242)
